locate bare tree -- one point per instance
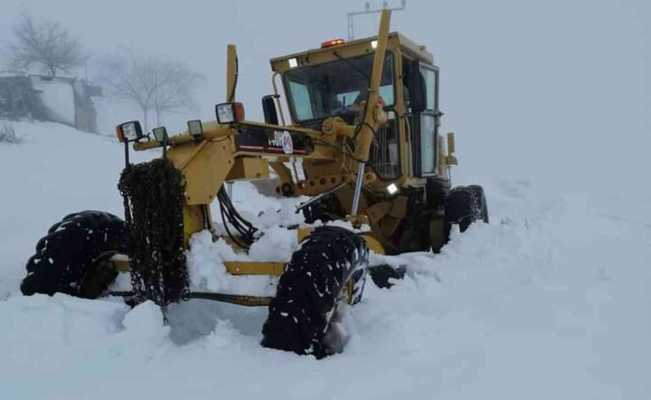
(153, 84)
(175, 91)
(129, 76)
(46, 44)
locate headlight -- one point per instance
(196, 129)
(392, 189)
(128, 131)
(227, 113)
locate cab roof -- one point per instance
(350, 49)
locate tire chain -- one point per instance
(153, 201)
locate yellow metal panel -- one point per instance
(254, 268)
(319, 183)
(365, 134)
(249, 168)
(193, 221)
(373, 244)
(211, 130)
(378, 211)
(284, 174)
(442, 158)
(121, 264)
(205, 168)
(451, 147)
(303, 232)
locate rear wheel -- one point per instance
(327, 270)
(72, 257)
(466, 205)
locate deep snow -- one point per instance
(551, 299)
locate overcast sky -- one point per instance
(561, 84)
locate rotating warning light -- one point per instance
(332, 43)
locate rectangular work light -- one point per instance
(160, 134)
(228, 113)
(129, 131)
(195, 128)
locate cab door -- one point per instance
(428, 119)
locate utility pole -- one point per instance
(367, 10)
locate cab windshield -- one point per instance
(320, 91)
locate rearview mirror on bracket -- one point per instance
(270, 110)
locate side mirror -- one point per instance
(269, 109)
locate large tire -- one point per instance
(437, 189)
(69, 259)
(310, 289)
(466, 205)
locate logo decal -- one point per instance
(288, 144)
(282, 140)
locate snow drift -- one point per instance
(550, 300)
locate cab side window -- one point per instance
(428, 123)
(421, 96)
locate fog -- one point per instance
(556, 91)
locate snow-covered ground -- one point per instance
(552, 299)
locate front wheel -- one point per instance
(70, 258)
(327, 270)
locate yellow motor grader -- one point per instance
(361, 142)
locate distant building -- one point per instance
(67, 101)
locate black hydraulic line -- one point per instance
(228, 231)
(230, 216)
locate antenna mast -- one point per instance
(367, 10)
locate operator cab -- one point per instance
(333, 81)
